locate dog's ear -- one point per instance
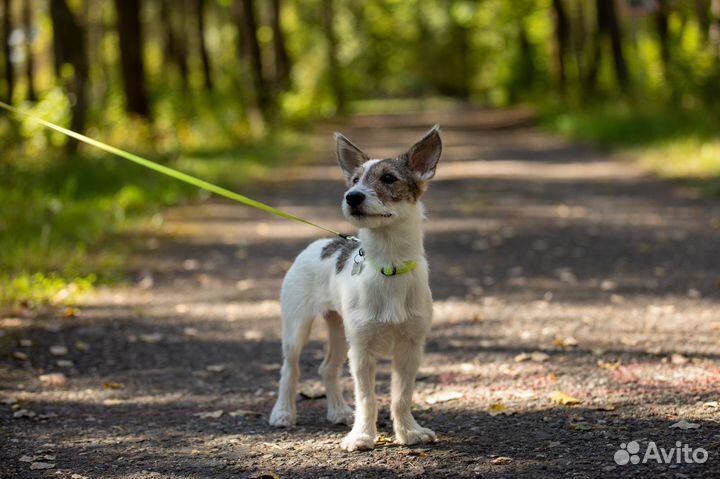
(424, 155)
(349, 156)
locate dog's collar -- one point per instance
(391, 270)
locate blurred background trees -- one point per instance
(225, 88)
(237, 68)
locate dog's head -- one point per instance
(382, 191)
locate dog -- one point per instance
(373, 293)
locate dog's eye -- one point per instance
(355, 180)
(388, 179)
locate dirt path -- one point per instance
(553, 268)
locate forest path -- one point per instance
(554, 268)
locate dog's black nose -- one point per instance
(354, 198)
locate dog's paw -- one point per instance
(281, 418)
(357, 441)
(342, 415)
(417, 435)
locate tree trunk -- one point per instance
(715, 32)
(70, 47)
(282, 61)
(661, 24)
(251, 51)
(562, 34)
(29, 60)
(701, 10)
(172, 17)
(9, 70)
(200, 19)
(336, 84)
(608, 26)
(131, 56)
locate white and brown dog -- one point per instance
(374, 294)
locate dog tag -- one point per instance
(358, 263)
(357, 268)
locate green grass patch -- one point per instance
(674, 144)
(60, 214)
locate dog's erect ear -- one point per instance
(424, 155)
(349, 155)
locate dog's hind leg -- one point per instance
(338, 412)
(296, 323)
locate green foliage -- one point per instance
(62, 213)
(676, 144)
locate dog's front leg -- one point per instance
(362, 365)
(406, 360)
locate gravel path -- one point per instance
(577, 310)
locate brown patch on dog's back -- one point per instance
(346, 249)
(406, 188)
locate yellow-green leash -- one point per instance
(178, 175)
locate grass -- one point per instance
(60, 214)
(674, 144)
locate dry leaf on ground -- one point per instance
(444, 396)
(501, 460)
(53, 379)
(498, 409)
(609, 365)
(684, 425)
(564, 399)
(209, 414)
(244, 413)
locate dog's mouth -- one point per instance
(360, 214)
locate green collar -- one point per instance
(392, 270)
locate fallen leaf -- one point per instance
(244, 413)
(210, 414)
(151, 338)
(580, 426)
(253, 335)
(564, 399)
(684, 425)
(41, 465)
(82, 346)
(53, 379)
(497, 409)
(24, 413)
(383, 440)
(537, 356)
(678, 359)
(58, 350)
(568, 342)
(713, 404)
(70, 312)
(112, 385)
(501, 460)
(27, 459)
(444, 396)
(609, 365)
(20, 356)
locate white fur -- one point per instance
(368, 315)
